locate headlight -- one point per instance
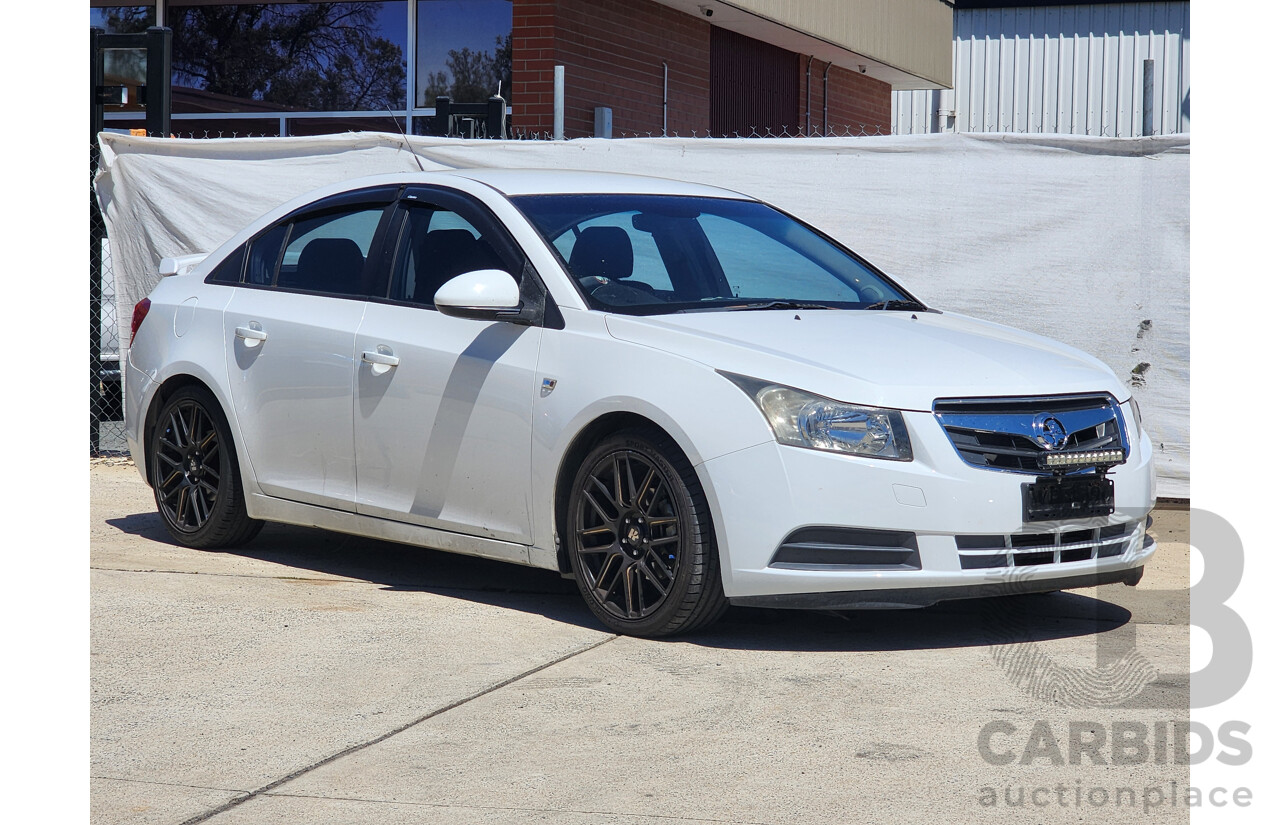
(802, 419)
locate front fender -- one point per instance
(597, 375)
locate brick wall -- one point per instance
(612, 51)
(856, 102)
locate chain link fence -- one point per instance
(106, 398)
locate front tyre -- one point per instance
(194, 473)
(640, 538)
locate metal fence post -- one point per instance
(159, 93)
(1148, 97)
(496, 119)
(557, 112)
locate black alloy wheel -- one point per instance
(640, 535)
(194, 473)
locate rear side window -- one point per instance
(230, 270)
(327, 253)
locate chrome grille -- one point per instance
(1001, 433)
(1029, 549)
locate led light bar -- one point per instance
(1084, 458)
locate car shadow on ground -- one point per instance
(397, 567)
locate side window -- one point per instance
(327, 253)
(610, 247)
(755, 265)
(230, 270)
(264, 254)
(435, 246)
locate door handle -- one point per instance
(381, 360)
(252, 335)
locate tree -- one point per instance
(324, 56)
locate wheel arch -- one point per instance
(163, 393)
(582, 443)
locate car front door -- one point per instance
(444, 404)
(290, 332)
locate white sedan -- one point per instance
(678, 395)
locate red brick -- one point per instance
(613, 52)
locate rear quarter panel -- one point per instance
(181, 336)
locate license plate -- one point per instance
(1051, 499)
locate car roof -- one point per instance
(515, 182)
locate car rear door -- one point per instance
(444, 404)
(290, 332)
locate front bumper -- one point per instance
(906, 597)
(969, 536)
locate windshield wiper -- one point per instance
(773, 305)
(898, 305)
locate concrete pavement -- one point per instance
(314, 677)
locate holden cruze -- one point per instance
(677, 395)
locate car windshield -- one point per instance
(654, 254)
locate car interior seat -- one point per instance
(328, 265)
(444, 254)
(602, 252)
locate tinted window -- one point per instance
(656, 253)
(435, 246)
(327, 253)
(264, 254)
(646, 268)
(230, 270)
(755, 263)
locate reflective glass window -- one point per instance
(123, 19)
(464, 50)
(239, 57)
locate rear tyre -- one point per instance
(194, 473)
(641, 543)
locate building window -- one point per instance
(316, 67)
(123, 19)
(464, 50)
(326, 57)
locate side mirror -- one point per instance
(485, 294)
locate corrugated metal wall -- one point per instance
(1064, 69)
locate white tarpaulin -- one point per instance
(1083, 239)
